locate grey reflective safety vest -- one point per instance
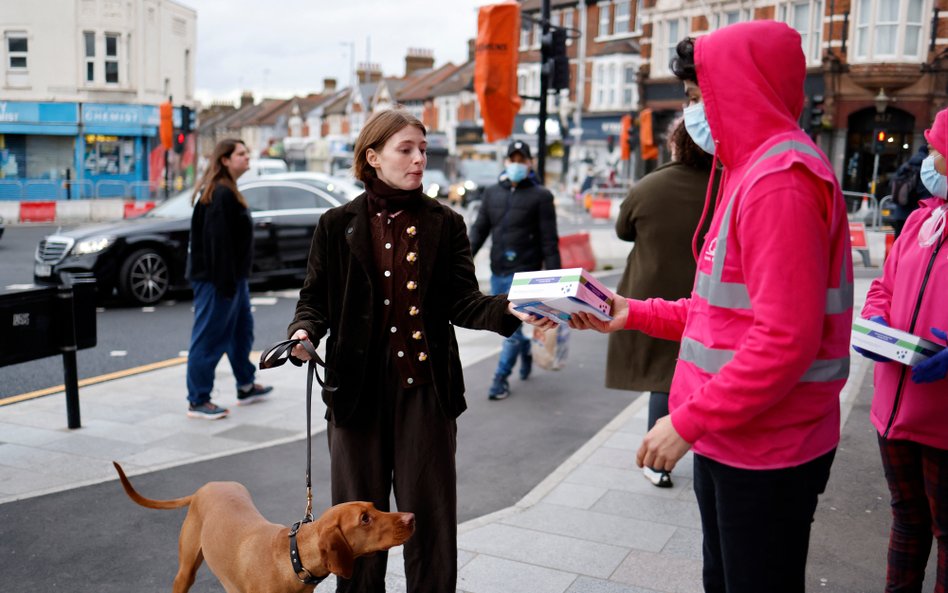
(734, 295)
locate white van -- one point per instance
(260, 167)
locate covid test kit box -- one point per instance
(892, 343)
(557, 294)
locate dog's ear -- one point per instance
(336, 552)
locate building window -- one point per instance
(614, 84)
(639, 7)
(525, 34)
(883, 33)
(672, 29)
(731, 16)
(568, 18)
(111, 58)
(807, 19)
(628, 86)
(88, 38)
(621, 22)
(16, 51)
(605, 19)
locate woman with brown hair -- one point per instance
(390, 274)
(219, 259)
(660, 265)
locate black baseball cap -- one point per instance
(519, 146)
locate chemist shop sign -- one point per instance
(111, 115)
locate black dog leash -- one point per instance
(274, 356)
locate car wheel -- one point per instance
(145, 277)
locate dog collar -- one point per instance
(305, 576)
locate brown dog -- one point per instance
(248, 553)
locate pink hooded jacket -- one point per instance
(912, 295)
(765, 333)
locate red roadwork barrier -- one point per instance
(44, 211)
(599, 208)
(133, 209)
(857, 236)
(889, 241)
(576, 252)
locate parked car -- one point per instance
(143, 258)
(260, 167)
(343, 188)
(1, 226)
(474, 175)
(435, 183)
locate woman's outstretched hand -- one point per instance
(543, 323)
(620, 314)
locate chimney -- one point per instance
(329, 85)
(418, 59)
(368, 72)
(246, 98)
(471, 49)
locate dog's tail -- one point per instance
(148, 502)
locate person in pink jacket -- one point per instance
(910, 404)
(765, 333)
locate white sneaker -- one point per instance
(659, 478)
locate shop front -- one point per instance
(115, 146)
(37, 143)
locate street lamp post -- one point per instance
(882, 102)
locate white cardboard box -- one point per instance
(892, 343)
(558, 293)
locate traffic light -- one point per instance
(179, 138)
(879, 138)
(555, 61)
(166, 124)
(186, 119)
(816, 112)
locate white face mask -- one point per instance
(932, 229)
(696, 123)
(934, 182)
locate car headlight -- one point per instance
(470, 185)
(461, 190)
(93, 245)
(433, 190)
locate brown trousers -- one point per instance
(408, 446)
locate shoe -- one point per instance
(526, 365)
(659, 478)
(207, 411)
(499, 389)
(252, 395)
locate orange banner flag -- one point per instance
(646, 136)
(495, 67)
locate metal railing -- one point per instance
(60, 189)
(863, 207)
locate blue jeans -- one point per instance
(221, 326)
(517, 344)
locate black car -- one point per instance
(143, 258)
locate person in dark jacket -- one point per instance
(518, 215)
(219, 258)
(661, 265)
(914, 191)
(389, 276)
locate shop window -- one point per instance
(807, 19)
(17, 45)
(888, 29)
(109, 155)
(89, 43)
(111, 58)
(621, 23)
(605, 19)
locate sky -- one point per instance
(278, 48)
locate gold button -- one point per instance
(413, 311)
(422, 357)
(412, 257)
(412, 285)
(416, 335)
(412, 231)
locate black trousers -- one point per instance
(408, 445)
(756, 524)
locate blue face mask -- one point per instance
(934, 181)
(697, 125)
(516, 172)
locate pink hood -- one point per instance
(751, 85)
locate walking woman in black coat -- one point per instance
(219, 258)
(390, 274)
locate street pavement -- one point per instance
(594, 525)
